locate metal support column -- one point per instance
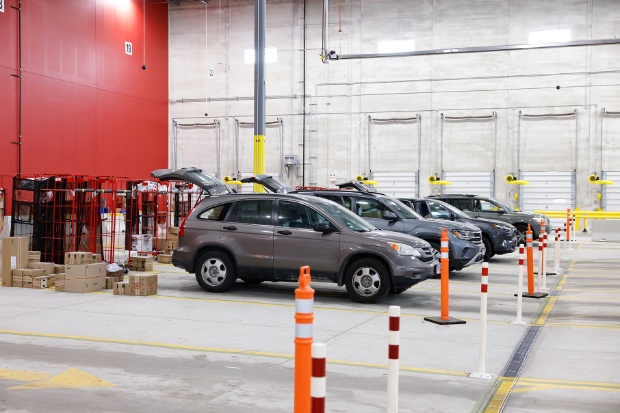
(259, 90)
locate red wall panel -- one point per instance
(88, 107)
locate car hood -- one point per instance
(453, 225)
(389, 236)
(488, 221)
(196, 176)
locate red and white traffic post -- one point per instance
(393, 359)
(484, 285)
(543, 274)
(520, 287)
(530, 266)
(556, 251)
(318, 385)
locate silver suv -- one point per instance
(268, 237)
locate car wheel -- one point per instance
(488, 253)
(398, 290)
(367, 281)
(252, 281)
(215, 272)
(436, 249)
(521, 235)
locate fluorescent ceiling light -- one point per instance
(549, 36)
(396, 46)
(271, 55)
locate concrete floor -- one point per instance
(185, 350)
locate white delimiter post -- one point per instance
(481, 374)
(393, 362)
(520, 287)
(556, 251)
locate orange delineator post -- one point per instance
(304, 316)
(445, 275)
(530, 260)
(530, 266)
(445, 282)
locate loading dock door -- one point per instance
(397, 184)
(551, 191)
(611, 193)
(478, 183)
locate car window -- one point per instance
(485, 206)
(335, 198)
(438, 211)
(296, 215)
(403, 210)
(370, 208)
(462, 204)
(252, 211)
(216, 213)
(346, 217)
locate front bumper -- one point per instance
(408, 271)
(505, 244)
(464, 257)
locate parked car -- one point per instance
(268, 237)
(484, 207)
(498, 237)
(387, 213)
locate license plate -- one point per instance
(438, 268)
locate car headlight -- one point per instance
(404, 249)
(504, 228)
(464, 234)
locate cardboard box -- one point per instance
(97, 258)
(40, 282)
(110, 281)
(142, 242)
(59, 268)
(173, 230)
(59, 283)
(141, 263)
(34, 254)
(14, 256)
(48, 267)
(78, 258)
(29, 273)
(27, 283)
(84, 278)
(122, 288)
(173, 238)
(171, 245)
(143, 284)
(17, 282)
(164, 259)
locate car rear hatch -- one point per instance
(210, 184)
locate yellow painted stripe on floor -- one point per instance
(501, 395)
(545, 312)
(581, 325)
(22, 375)
(70, 379)
(221, 351)
(565, 298)
(571, 383)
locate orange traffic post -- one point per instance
(530, 266)
(304, 316)
(445, 281)
(569, 228)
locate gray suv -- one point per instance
(385, 212)
(483, 207)
(268, 237)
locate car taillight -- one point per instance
(182, 226)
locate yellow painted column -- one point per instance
(259, 159)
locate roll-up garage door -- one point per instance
(397, 184)
(550, 191)
(611, 193)
(478, 183)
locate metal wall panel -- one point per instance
(552, 191)
(611, 193)
(397, 184)
(393, 144)
(467, 138)
(479, 183)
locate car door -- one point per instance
(247, 231)
(296, 243)
(486, 209)
(372, 209)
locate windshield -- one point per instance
(344, 216)
(455, 211)
(403, 210)
(503, 205)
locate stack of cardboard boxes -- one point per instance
(141, 263)
(81, 275)
(172, 241)
(14, 257)
(113, 277)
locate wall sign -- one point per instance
(128, 47)
(1, 6)
(211, 72)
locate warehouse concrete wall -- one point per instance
(500, 112)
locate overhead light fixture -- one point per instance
(550, 36)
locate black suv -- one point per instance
(387, 213)
(483, 207)
(498, 237)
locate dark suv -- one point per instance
(385, 212)
(498, 237)
(268, 237)
(483, 207)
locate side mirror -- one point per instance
(324, 227)
(452, 216)
(390, 216)
(501, 210)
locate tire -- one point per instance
(367, 281)
(521, 235)
(398, 290)
(488, 253)
(215, 272)
(252, 281)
